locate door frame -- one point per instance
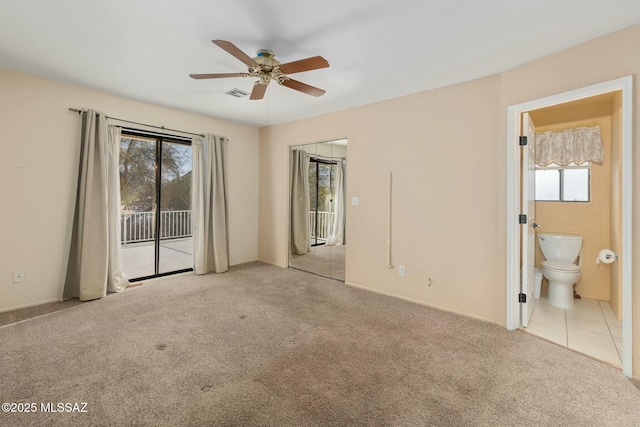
(514, 122)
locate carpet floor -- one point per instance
(266, 346)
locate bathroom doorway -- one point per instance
(579, 108)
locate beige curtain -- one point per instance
(116, 279)
(300, 239)
(210, 219)
(570, 146)
(94, 265)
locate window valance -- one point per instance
(577, 146)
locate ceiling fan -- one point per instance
(266, 68)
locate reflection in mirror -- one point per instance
(318, 210)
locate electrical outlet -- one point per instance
(401, 270)
(18, 276)
(355, 201)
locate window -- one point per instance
(563, 183)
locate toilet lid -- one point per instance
(560, 266)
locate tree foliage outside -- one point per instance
(138, 175)
(321, 186)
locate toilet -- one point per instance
(560, 253)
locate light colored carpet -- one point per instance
(261, 345)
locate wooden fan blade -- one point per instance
(308, 64)
(258, 91)
(233, 50)
(217, 76)
(303, 87)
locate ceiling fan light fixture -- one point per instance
(265, 78)
(266, 60)
(265, 68)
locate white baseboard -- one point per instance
(415, 301)
(31, 304)
(272, 263)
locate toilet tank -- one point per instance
(560, 247)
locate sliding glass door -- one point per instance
(155, 181)
(321, 192)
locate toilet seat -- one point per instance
(561, 266)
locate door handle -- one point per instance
(535, 225)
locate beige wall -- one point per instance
(590, 219)
(39, 142)
(447, 151)
(440, 147)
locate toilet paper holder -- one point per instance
(606, 256)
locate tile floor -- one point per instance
(590, 328)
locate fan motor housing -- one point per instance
(266, 59)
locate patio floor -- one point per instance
(138, 258)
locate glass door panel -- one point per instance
(321, 177)
(138, 206)
(175, 228)
(325, 199)
(156, 238)
(313, 202)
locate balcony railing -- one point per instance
(325, 223)
(141, 226)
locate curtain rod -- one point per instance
(326, 160)
(329, 158)
(75, 110)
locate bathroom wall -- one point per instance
(616, 211)
(589, 219)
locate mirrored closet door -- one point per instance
(317, 242)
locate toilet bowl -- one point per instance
(561, 276)
(560, 252)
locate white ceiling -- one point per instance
(378, 49)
